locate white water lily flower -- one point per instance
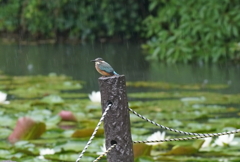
(223, 160)
(103, 149)
(225, 140)
(95, 96)
(3, 97)
(155, 137)
(206, 142)
(45, 151)
(193, 99)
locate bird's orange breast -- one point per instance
(104, 73)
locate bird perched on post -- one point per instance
(103, 67)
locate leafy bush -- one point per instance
(9, 15)
(176, 30)
(187, 30)
(84, 19)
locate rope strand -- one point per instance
(167, 128)
(105, 153)
(94, 133)
(190, 138)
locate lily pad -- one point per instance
(164, 85)
(141, 149)
(182, 150)
(87, 132)
(27, 129)
(39, 86)
(53, 99)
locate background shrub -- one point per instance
(85, 19)
(189, 30)
(174, 30)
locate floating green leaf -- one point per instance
(27, 129)
(87, 132)
(141, 149)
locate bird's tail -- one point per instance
(115, 73)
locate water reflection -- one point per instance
(127, 59)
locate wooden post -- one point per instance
(116, 122)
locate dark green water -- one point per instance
(126, 58)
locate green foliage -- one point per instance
(27, 117)
(177, 31)
(9, 14)
(85, 19)
(187, 30)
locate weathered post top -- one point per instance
(117, 121)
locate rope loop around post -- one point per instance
(94, 132)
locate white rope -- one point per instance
(171, 129)
(105, 153)
(94, 133)
(190, 138)
(197, 135)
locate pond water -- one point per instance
(195, 98)
(126, 58)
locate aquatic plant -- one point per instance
(156, 136)
(95, 96)
(3, 97)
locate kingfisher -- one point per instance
(103, 67)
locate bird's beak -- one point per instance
(93, 60)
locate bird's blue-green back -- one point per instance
(105, 67)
